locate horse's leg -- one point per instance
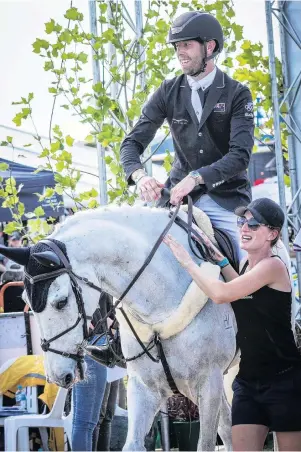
(209, 402)
(143, 404)
(224, 425)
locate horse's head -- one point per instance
(55, 296)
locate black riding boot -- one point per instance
(109, 354)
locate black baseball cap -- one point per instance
(265, 211)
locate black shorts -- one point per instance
(275, 403)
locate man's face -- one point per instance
(190, 55)
(13, 243)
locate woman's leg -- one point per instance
(107, 414)
(289, 440)
(249, 437)
(87, 400)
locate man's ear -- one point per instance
(210, 47)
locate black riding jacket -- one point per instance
(219, 147)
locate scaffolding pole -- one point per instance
(102, 172)
(141, 53)
(277, 130)
(288, 15)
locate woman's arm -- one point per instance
(228, 272)
(266, 272)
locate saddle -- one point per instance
(223, 239)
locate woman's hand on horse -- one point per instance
(149, 189)
(178, 251)
(214, 251)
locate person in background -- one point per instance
(94, 399)
(13, 301)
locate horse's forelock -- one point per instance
(38, 292)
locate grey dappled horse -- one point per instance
(108, 246)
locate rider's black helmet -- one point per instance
(199, 26)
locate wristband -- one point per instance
(223, 263)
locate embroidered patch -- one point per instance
(180, 121)
(249, 106)
(219, 108)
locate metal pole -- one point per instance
(140, 49)
(277, 130)
(103, 199)
(291, 67)
(165, 427)
(112, 53)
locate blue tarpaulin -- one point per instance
(32, 183)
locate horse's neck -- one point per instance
(111, 253)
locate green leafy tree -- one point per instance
(136, 69)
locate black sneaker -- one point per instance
(109, 354)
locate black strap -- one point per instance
(28, 333)
(166, 368)
(244, 267)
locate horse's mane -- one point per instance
(107, 213)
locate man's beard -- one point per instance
(193, 68)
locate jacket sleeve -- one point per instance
(240, 144)
(135, 143)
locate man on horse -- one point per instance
(211, 120)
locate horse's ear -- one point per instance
(18, 255)
(47, 258)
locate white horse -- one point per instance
(108, 246)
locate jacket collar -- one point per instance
(213, 96)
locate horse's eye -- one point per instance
(60, 304)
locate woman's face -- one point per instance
(251, 240)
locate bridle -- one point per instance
(67, 269)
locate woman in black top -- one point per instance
(267, 389)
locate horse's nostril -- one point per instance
(68, 379)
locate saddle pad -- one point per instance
(191, 304)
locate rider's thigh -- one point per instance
(249, 437)
(221, 219)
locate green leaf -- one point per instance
(11, 227)
(55, 146)
(73, 14)
(52, 90)
(39, 211)
(69, 140)
(66, 36)
(89, 139)
(82, 57)
(49, 192)
(9, 139)
(40, 44)
(51, 26)
(48, 65)
(27, 145)
(4, 143)
(21, 209)
(93, 204)
(60, 166)
(4, 166)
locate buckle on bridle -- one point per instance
(45, 345)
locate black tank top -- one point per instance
(265, 335)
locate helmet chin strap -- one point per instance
(204, 61)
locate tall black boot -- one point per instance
(109, 354)
(104, 436)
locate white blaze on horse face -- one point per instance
(53, 321)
